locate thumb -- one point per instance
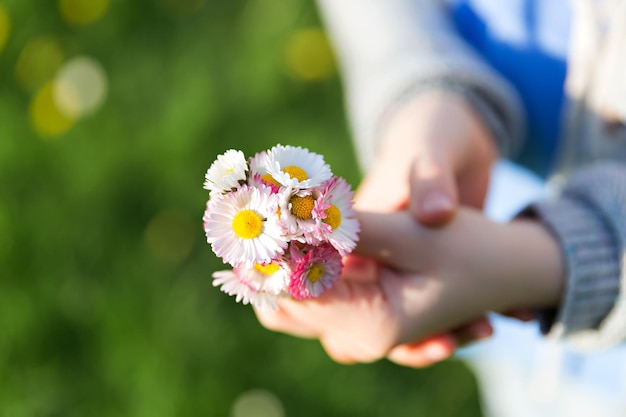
(391, 238)
(433, 197)
(381, 190)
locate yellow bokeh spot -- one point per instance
(38, 62)
(170, 235)
(309, 56)
(270, 180)
(333, 217)
(267, 269)
(46, 117)
(83, 12)
(296, 172)
(247, 224)
(5, 27)
(316, 272)
(302, 207)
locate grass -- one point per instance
(106, 307)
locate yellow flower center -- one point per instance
(267, 269)
(228, 172)
(247, 224)
(333, 217)
(296, 172)
(302, 207)
(316, 272)
(270, 180)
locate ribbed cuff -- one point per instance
(591, 254)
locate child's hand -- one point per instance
(436, 280)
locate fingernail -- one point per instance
(436, 353)
(436, 201)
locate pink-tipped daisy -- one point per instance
(314, 270)
(242, 226)
(226, 172)
(259, 174)
(335, 218)
(232, 283)
(297, 167)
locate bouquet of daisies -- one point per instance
(281, 220)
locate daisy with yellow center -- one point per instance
(296, 214)
(259, 174)
(314, 270)
(260, 285)
(281, 220)
(335, 218)
(297, 167)
(242, 226)
(226, 173)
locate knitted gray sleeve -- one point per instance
(391, 50)
(589, 221)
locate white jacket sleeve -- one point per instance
(390, 50)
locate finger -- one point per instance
(523, 315)
(283, 321)
(392, 238)
(337, 352)
(425, 352)
(473, 332)
(358, 268)
(433, 190)
(382, 191)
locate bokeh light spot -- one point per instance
(38, 62)
(309, 56)
(257, 403)
(80, 87)
(83, 12)
(47, 119)
(5, 27)
(170, 235)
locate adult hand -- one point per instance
(435, 154)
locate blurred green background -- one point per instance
(110, 114)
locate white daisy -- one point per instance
(226, 172)
(259, 174)
(297, 167)
(335, 218)
(232, 283)
(242, 226)
(271, 277)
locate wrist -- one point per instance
(528, 270)
(429, 116)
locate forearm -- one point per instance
(501, 267)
